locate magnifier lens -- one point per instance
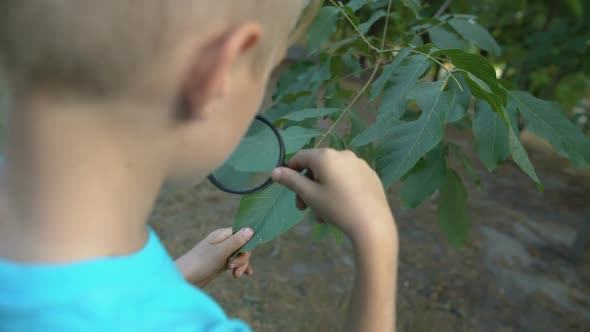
(251, 164)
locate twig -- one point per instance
(442, 66)
(442, 8)
(386, 24)
(371, 46)
(349, 107)
(356, 72)
(428, 29)
(380, 50)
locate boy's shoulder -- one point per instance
(140, 292)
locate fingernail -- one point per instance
(276, 173)
(247, 232)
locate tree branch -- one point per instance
(349, 107)
(443, 8)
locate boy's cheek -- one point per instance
(205, 147)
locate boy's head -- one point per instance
(190, 72)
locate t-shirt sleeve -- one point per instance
(230, 325)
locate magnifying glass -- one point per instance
(248, 169)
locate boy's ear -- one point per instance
(209, 72)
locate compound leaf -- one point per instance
(403, 145)
(546, 120)
(269, 213)
(521, 158)
(491, 136)
(310, 113)
(444, 39)
(322, 28)
(452, 209)
(296, 137)
(475, 33)
(425, 178)
(388, 70)
(394, 101)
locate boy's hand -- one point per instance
(341, 189)
(210, 257)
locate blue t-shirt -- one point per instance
(140, 292)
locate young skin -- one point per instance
(82, 173)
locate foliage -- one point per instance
(427, 71)
(546, 45)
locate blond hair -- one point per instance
(102, 46)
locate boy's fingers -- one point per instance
(237, 240)
(240, 260)
(240, 271)
(220, 235)
(305, 159)
(300, 203)
(249, 271)
(297, 182)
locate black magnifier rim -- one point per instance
(280, 162)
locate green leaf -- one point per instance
(416, 41)
(521, 158)
(322, 28)
(310, 113)
(425, 178)
(481, 90)
(281, 109)
(462, 100)
(394, 101)
(452, 209)
(414, 5)
(352, 15)
(512, 114)
(576, 7)
(352, 64)
(302, 77)
(252, 155)
(375, 132)
(547, 120)
(477, 66)
(321, 231)
(269, 213)
(356, 4)
(491, 136)
(444, 39)
(403, 145)
(336, 143)
(366, 26)
(387, 72)
(297, 137)
(472, 31)
(467, 165)
(357, 126)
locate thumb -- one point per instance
(297, 182)
(238, 240)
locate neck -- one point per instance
(76, 184)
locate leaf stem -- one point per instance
(349, 107)
(386, 24)
(442, 66)
(381, 50)
(361, 34)
(443, 8)
(356, 72)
